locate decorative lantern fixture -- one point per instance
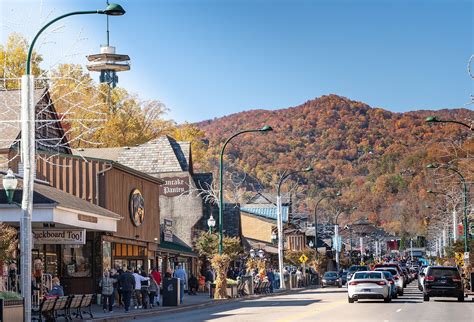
(10, 183)
(211, 222)
(311, 244)
(261, 253)
(252, 253)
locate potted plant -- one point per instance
(11, 306)
(231, 288)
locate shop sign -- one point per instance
(137, 207)
(174, 186)
(167, 231)
(59, 236)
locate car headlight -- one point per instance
(324, 280)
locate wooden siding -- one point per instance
(118, 185)
(72, 175)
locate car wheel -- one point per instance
(426, 298)
(461, 298)
(351, 300)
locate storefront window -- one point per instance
(77, 260)
(107, 255)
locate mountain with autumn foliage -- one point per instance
(377, 158)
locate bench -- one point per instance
(45, 309)
(64, 306)
(85, 306)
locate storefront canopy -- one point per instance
(53, 206)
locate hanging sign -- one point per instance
(59, 236)
(137, 207)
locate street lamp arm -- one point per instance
(30, 50)
(287, 174)
(434, 119)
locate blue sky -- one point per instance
(209, 58)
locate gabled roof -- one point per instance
(266, 212)
(160, 155)
(163, 154)
(10, 110)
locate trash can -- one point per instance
(171, 291)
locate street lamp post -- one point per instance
(463, 181)
(434, 119)
(285, 176)
(455, 216)
(28, 155)
(266, 128)
(338, 194)
(336, 235)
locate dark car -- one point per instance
(331, 279)
(356, 268)
(442, 281)
(344, 278)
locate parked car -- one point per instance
(443, 281)
(391, 280)
(344, 278)
(368, 285)
(396, 277)
(331, 279)
(399, 270)
(356, 268)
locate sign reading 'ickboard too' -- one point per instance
(59, 236)
(174, 186)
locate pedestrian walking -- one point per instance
(183, 279)
(127, 286)
(137, 294)
(152, 291)
(106, 285)
(156, 275)
(299, 278)
(145, 284)
(193, 285)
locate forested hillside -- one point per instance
(375, 157)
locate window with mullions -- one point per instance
(77, 259)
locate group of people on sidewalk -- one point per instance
(130, 285)
(140, 288)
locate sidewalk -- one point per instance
(189, 303)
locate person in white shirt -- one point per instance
(137, 299)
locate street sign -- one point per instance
(303, 258)
(459, 258)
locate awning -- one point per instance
(250, 243)
(51, 205)
(176, 246)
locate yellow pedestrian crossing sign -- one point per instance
(303, 258)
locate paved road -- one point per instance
(331, 305)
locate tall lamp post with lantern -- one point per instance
(28, 154)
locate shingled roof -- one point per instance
(10, 110)
(163, 154)
(160, 155)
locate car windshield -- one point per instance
(357, 268)
(390, 270)
(439, 272)
(367, 275)
(387, 274)
(330, 274)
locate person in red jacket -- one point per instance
(155, 274)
